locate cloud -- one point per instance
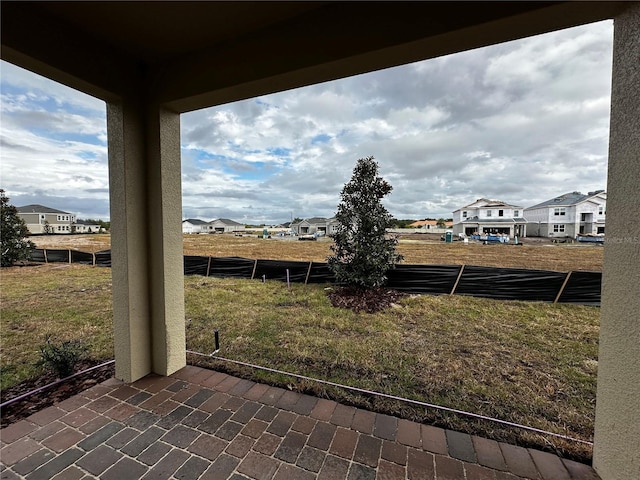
(520, 121)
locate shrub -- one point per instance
(61, 358)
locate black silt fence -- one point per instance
(320, 273)
(103, 258)
(194, 265)
(37, 255)
(237, 267)
(433, 279)
(583, 288)
(277, 270)
(510, 283)
(54, 256)
(490, 282)
(81, 257)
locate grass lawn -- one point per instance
(525, 362)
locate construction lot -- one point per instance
(533, 253)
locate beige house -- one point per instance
(193, 55)
(43, 220)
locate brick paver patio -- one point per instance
(202, 424)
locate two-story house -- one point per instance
(46, 220)
(486, 216)
(569, 215)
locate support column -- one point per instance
(617, 426)
(146, 240)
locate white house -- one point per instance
(46, 220)
(569, 215)
(193, 225)
(490, 216)
(223, 225)
(82, 226)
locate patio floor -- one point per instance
(202, 424)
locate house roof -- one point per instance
(225, 221)
(194, 221)
(567, 199)
(35, 208)
(486, 202)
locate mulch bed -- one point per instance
(50, 396)
(364, 300)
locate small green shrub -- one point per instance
(61, 358)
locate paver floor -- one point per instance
(203, 424)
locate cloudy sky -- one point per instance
(522, 122)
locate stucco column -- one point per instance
(146, 240)
(617, 428)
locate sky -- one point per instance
(521, 122)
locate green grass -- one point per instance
(525, 362)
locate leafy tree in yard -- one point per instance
(13, 232)
(362, 250)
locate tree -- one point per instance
(363, 252)
(441, 223)
(14, 245)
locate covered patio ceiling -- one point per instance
(191, 55)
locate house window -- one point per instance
(464, 214)
(558, 228)
(559, 211)
(501, 213)
(489, 213)
(600, 210)
(516, 213)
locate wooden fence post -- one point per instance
(455, 285)
(208, 266)
(255, 265)
(566, 279)
(306, 279)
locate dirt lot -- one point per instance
(535, 253)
